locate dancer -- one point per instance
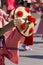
(2, 41)
(8, 34)
(39, 30)
(28, 40)
(3, 49)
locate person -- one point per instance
(3, 14)
(2, 43)
(35, 7)
(2, 37)
(41, 6)
(3, 49)
(10, 5)
(28, 40)
(11, 37)
(3, 2)
(39, 30)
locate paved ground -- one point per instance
(34, 57)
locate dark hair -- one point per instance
(21, 2)
(28, 5)
(42, 16)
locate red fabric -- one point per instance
(12, 43)
(2, 60)
(23, 26)
(1, 54)
(12, 38)
(29, 40)
(10, 4)
(31, 19)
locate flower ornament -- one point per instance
(27, 10)
(31, 19)
(31, 30)
(23, 26)
(20, 13)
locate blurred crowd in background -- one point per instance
(36, 6)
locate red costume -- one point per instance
(23, 12)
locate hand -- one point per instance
(17, 22)
(12, 12)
